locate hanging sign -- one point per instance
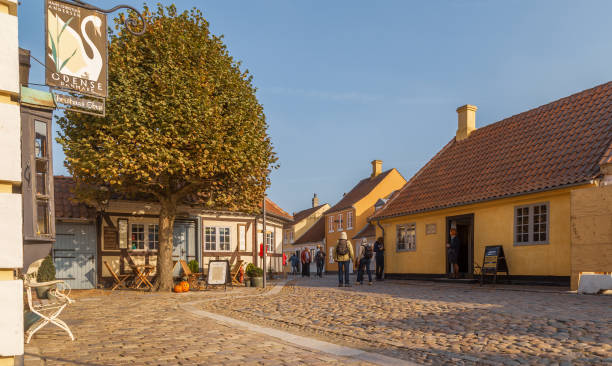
(78, 104)
(76, 49)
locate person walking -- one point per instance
(343, 253)
(379, 249)
(453, 248)
(320, 260)
(294, 263)
(365, 256)
(306, 259)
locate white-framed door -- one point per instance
(75, 254)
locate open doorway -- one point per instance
(465, 232)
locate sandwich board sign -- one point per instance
(76, 56)
(494, 261)
(218, 273)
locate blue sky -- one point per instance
(346, 82)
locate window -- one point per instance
(531, 224)
(331, 224)
(138, 236)
(349, 220)
(153, 237)
(406, 237)
(210, 238)
(291, 236)
(224, 238)
(217, 238)
(40, 139)
(339, 222)
(41, 177)
(269, 242)
(42, 217)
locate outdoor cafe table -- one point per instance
(141, 273)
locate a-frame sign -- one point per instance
(494, 262)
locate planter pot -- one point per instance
(42, 291)
(247, 282)
(256, 281)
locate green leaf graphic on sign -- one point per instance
(53, 51)
(68, 59)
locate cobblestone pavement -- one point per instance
(151, 329)
(435, 323)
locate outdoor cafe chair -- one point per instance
(192, 278)
(48, 311)
(118, 280)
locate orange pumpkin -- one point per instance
(178, 288)
(185, 286)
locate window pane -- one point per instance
(42, 217)
(138, 236)
(224, 238)
(40, 139)
(210, 238)
(153, 237)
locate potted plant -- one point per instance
(194, 266)
(46, 273)
(255, 274)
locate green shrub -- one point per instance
(194, 266)
(253, 271)
(46, 272)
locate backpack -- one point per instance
(342, 247)
(369, 251)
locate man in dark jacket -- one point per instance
(320, 260)
(379, 249)
(453, 252)
(306, 259)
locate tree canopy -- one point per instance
(182, 122)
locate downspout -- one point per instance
(383, 236)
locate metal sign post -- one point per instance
(265, 244)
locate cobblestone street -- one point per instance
(422, 322)
(435, 323)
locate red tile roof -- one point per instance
(362, 189)
(555, 145)
(367, 232)
(274, 210)
(299, 216)
(315, 234)
(66, 206)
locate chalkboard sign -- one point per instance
(494, 262)
(218, 273)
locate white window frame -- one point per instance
(340, 222)
(349, 220)
(406, 243)
(155, 233)
(146, 242)
(270, 242)
(331, 223)
(291, 236)
(215, 246)
(144, 236)
(531, 218)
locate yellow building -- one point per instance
(350, 214)
(509, 183)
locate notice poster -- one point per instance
(218, 272)
(76, 48)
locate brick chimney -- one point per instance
(376, 168)
(466, 118)
(315, 201)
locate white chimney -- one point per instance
(466, 118)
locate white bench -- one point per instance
(47, 310)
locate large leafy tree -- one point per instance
(183, 124)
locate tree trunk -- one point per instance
(167, 214)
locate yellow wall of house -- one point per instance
(303, 225)
(493, 225)
(362, 209)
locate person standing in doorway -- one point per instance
(320, 260)
(453, 252)
(306, 259)
(343, 254)
(379, 249)
(365, 256)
